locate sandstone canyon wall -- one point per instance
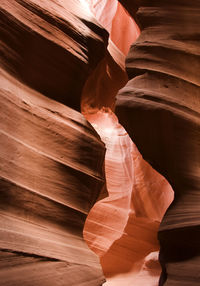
(103, 84)
(50, 44)
(122, 228)
(56, 60)
(159, 107)
(51, 157)
(47, 189)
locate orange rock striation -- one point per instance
(51, 174)
(50, 44)
(109, 76)
(52, 160)
(122, 228)
(51, 157)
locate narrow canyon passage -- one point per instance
(99, 110)
(122, 228)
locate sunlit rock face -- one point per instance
(160, 108)
(52, 46)
(103, 84)
(51, 175)
(122, 228)
(52, 160)
(123, 30)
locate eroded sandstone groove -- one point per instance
(50, 178)
(51, 157)
(122, 228)
(51, 45)
(159, 107)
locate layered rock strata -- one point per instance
(102, 85)
(122, 29)
(52, 46)
(109, 76)
(51, 158)
(51, 175)
(160, 108)
(122, 228)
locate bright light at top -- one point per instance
(85, 4)
(108, 130)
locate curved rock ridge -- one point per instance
(122, 228)
(49, 44)
(123, 30)
(102, 85)
(51, 175)
(160, 109)
(109, 76)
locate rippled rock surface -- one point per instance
(52, 46)
(51, 158)
(122, 228)
(51, 174)
(160, 108)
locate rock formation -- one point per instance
(51, 175)
(122, 228)
(56, 59)
(49, 44)
(103, 84)
(51, 157)
(122, 29)
(159, 107)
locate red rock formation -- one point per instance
(51, 158)
(113, 17)
(159, 107)
(122, 228)
(102, 86)
(49, 44)
(51, 174)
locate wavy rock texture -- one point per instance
(102, 85)
(159, 107)
(122, 228)
(123, 30)
(51, 175)
(51, 158)
(50, 44)
(109, 76)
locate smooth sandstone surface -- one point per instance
(52, 46)
(123, 30)
(51, 175)
(160, 107)
(122, 228)
(51, 158)
(109, 76)
(103, 84)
